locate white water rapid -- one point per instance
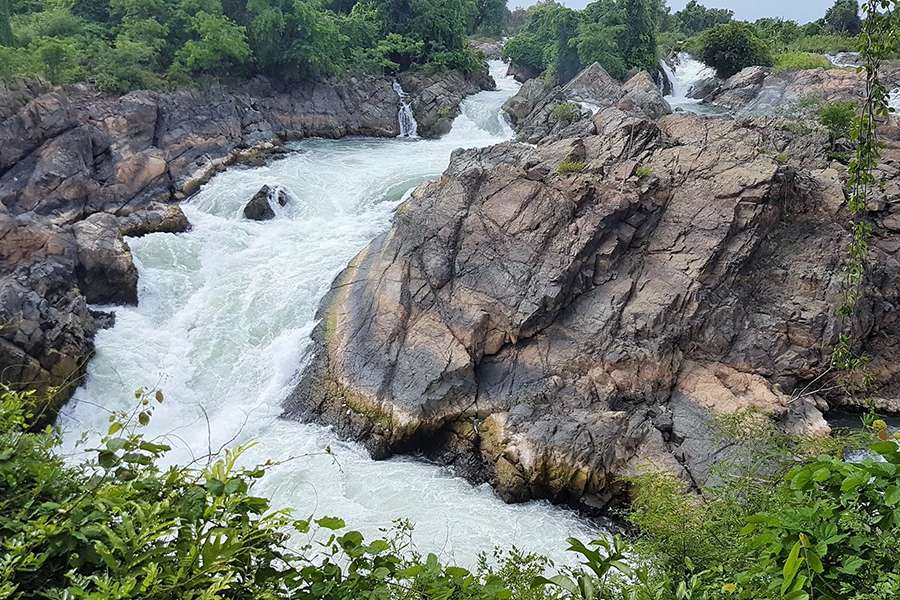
(225, 314)
(408, 126)
(683, 73)
(894, 100)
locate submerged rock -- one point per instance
(551, 332)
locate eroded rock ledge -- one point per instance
(549, 331)
(79, 170)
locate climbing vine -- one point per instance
(877, 39)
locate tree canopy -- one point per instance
(124, 44)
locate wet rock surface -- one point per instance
(550, 332)
(81, 170)
(260, 206)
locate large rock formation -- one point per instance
(763, 91)
(550, 331)
(543, 113)
(80, 170)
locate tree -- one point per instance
(695, 17)
(6, 35)
(843, 17)
(220, 45)
(731, 47)
(599, 43)
(490, 16)
(639, 34)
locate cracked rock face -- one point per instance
(80, 170)
(551, 332)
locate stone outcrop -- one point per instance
(81, 170)
(549, 332)
(763, 91)
(260, 206)
(535, 109)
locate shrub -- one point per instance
(837, 118)
(731, 47)
(798, 61)
(120, 527)
(824, 43)
(525, 50)
(643, 171)
(571, 166)
(566, 112)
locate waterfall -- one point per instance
(683, 73)
(406, 118)
(894, 99)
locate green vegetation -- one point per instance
(126, 44)
(796, 522)
(731, 47)
(571, 166)
(566, 112)
(559, 41)
(797, 61)
(643, 171)
(838, 117)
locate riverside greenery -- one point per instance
(622, 35)
(116, 525)
(127, 44)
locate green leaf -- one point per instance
(892, 495)
(821, 474)
(144, 418)
(106, 459)
(114, 428)
(560, 581)
(791, 566)
(116, 444)
(215, 487)
(332, 523)
(814, 561)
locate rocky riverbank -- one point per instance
(551, 316)
(80, 170)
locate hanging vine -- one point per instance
(877, 40)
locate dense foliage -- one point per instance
(124, 44)
(731, 47)
(803, 524)
(559, 41)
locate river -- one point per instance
(225, 315)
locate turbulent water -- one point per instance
(225, 314)
(683, 73)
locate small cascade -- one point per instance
(406, 118)
(683, 72)
(844, 59)
(894, 99)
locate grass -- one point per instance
(643, 171)
(571, 166)
(567, 112)
(799, 61)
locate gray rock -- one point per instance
(260, 206)
(551, 332)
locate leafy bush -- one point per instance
(731, 47)
(525, 50)
(798, 61)
(119, 527)
(838, 118)
(565, 112)
(643, 171)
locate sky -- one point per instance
(748, 10)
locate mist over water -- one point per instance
(225, 315)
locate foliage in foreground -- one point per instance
(118, 526)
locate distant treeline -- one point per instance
(127, 44)
(623, 35)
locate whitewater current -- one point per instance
(225, 315)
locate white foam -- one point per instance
(225, 314)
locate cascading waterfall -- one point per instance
(894, 99)
(683, 73)
(408, 126)
(225, 316)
